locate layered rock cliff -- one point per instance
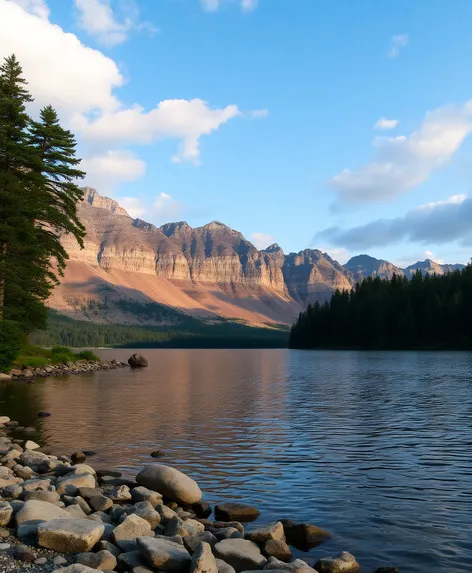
(131, 271)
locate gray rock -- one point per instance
(28, 533)
(297, 566)
(118, 493)
(170, 482)
(133, 526)
(107, 546)
(76, 568)
(141, 493)
(145, 510)
(22, 553)
(75, 511)
(78, 500)
(166, 513)
(45, 495)
(203, 560)
(141, 569)
(102, 560)
(163, 554)
(59, 560)
(279, 549)
(343, 563)
(228, 533)
(193, 541)
(100, 516)
(40, 561)
(100, 503)
(4, 546)
(24, 472)
(224, 567)
(263, 534)
(69, 535)
(36, 484)
(202, 509)
(177, 526)
(33, 459)
(36, 511)
(236, 511)
(6, 512)
(129, 560)
(242, 554)
(70, 483)
(89, 492)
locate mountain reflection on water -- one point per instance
(372, 446)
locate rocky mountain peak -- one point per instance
(93, 198)
(274, 248)
(176, 229)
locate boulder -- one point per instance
(141, 493)
(75, 511)
(36, 511)
(241, 554)
(42, 495)
(177, 526)
(76, 568)
(236, 511)
(164, 555)
(30, 445)
(166, 513)
(343, 563)
(70, 483)
(303, 536)
(6, 511)
(118, 493)
(203, 560)
(297, 566)
(69, 535)
(170, 482)
(263, 534)
(137, 361)
(125, 534)
(145, 510)
(279, 549)
(224, 567)
(228, 533)
(102, 560)
(191, 542)
(100, 503)
(130, 560)
(202, 509)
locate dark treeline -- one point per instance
(65, 331)
(428, 311)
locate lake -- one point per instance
(375, 447)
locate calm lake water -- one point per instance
(373, 446)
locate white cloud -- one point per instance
(80, 83)
(163, 209)
(396, 44)
(403, 162)
(259, 113)
(438, 223)
(214, 5)
(384, 123)
(262, 240)
(97, 18)
(172, 119)
(108, 169)
(36, 7)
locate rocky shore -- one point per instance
(59, 514)
(77, 367)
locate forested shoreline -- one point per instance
(430, 312)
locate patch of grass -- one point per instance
(37, 357)
(86, 355)
(32, 361)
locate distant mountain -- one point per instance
(132, 272)
(429, 266)
(363, 266)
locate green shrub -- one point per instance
(86, 355)
(11, 342)
(62, 357)
(32, 361)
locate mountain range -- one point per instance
(132, 272)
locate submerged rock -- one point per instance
(236, 511)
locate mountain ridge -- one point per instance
(211, 272)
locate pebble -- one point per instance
(40, 561)
(59, 560)
(4, 546)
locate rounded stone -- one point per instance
(241, 554)
(70, 535)
(170, 482)
(343, 563)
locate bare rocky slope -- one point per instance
(133, 272)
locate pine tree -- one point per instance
(17, 161)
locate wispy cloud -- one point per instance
(436, 223)
(384, 123)
(397, 43)
(400, 163)
(259, 113)
(97, 18)
(215, 5)
(163, 209)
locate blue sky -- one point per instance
(261, 114)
